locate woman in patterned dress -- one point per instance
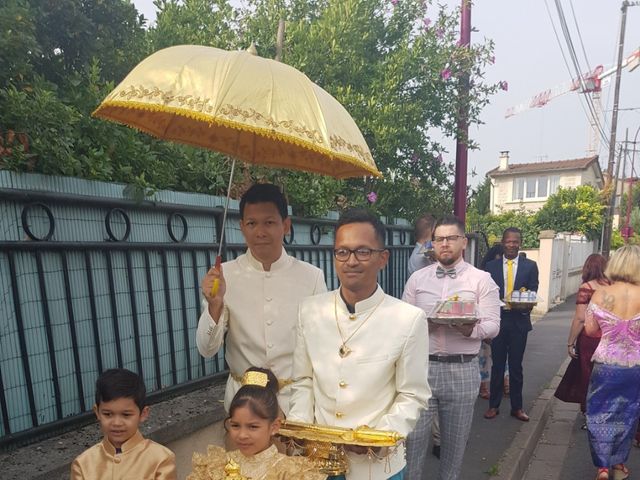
(613, 399)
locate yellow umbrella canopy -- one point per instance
(250, 108)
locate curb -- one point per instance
(515, 461)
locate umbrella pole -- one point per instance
(216, 282)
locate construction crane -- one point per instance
(591, 83)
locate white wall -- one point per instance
(560, 259)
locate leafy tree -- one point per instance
(575, 210)
(480, 198)
(394, 68)
(494, 225)
(71, 33)
(194, 22)
(18, 42)
(389, 72)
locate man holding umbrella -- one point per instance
(262, 112)
(257, 296)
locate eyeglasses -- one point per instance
(448, 238)
(362, 254)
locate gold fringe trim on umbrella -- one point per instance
(103, 112)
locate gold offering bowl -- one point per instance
(232, 471)
(325, 444)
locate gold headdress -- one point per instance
(255, 378)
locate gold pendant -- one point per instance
(344, 351)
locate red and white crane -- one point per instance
(591, 83)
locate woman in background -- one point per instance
(575, 382)
(613, 399)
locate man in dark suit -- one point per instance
(511, 273)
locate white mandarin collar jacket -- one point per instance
(382, 383)
(260, 315)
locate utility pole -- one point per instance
(606, 234)
(462, 148)
(608, 218)
(627, 230)
(616, 90)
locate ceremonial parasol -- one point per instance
(253, 109)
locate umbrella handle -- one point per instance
(216, 281)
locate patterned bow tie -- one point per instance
(441, 272)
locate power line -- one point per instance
(572, 53)
(575, 22)
(582, 102)
(592, 115)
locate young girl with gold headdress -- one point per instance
(254, 419)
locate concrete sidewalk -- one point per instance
(563, 449)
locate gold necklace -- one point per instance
(343, 351)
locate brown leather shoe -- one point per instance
(491, 413)
(520, 415)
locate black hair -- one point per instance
(491, 254)
(120, 383)
(262, 401)
(512, 230)
(362, 215)
(265, 193)
(450, 220)
(424, 225)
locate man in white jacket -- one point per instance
(258, 295)
(360, 354)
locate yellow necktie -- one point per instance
(509, 278)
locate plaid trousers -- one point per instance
(454, 388)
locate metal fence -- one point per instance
(90, 282)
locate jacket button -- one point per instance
(339, 414)
(343, 384)
(117, 459)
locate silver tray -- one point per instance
(520, 305)
(451, 320)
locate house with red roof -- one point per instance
(528, 185)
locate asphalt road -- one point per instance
(489, 439)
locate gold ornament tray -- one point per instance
(362, 436)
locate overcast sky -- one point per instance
(529, 58)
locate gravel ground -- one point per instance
(170, 420)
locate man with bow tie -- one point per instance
(454, 375)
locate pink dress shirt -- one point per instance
(424, 289)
